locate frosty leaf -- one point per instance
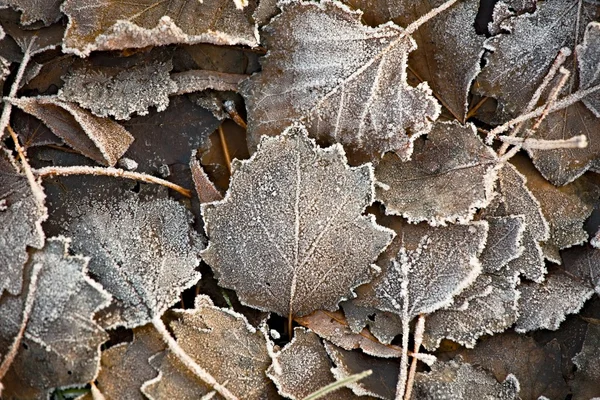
(100, 139)
(458, 380)
(115, 24)
(545, 305)
(565, 208)
(32, 10)
(125, 367)
(503, 242)
(383, 325)
(586, 378)
(520, 60)
(349, 86)
(514, 198)
(332, 326)
(484, 315)
(442, 265)
(61, 344)
(288, 211)
(588, 58)
(144, 251)
(43, 38)
(199, 80)
(381, 384)
(20, 224)
(583, 262)
(31, 131)
(302, 367)
(120, 93)
(450, 175)
(440, 43)
(223, 343)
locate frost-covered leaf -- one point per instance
(588, 61)
(100, 139)
(380, 384)
(458, 380)
(583, 262)
(348, 86)
(36, 40)
(303, 367)
(333, 327)
(520, 59)
(47, 11)
(221, 342)
(385, 326)
(125, 367)
(205, 189)
(144, 251)
(449, 37)
(545, 305)
(585, 381)
(21, 216)
(116, 24)
(61, 344)
(120, 93)
(277, 235)
(503, 242)
(450, 175)
(514, 198)
(443, 264)
(565, 208)
(536, 366)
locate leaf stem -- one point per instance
(225, 149)
(338, 385)
(109, 171)
(410, 29)
(200, 372)
(229, 106)
(37, 191)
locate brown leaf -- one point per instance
(348, 87)
(32, 10)
(115, 25)
(385, 326)
(277, 221)
(584, 263)
(100, 139)
(588, 61)
(585, 382)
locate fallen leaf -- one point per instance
(303, 367)
(503, 242)
(32, 11)
(100, 139)
(385, 326)
(349, 86)
(583, 262)
(588, 61)
(587, 376)
(277, 221)
(114, 25)
(120, 93)
(451, 175)
(222, 342)
(61, 343)
(206, 190)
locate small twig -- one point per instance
(410, 29)
(576, 142)
(418, 334)
(229, 106)
(476, 107)
(402, 377)
(200, 372)
(225, 149)
(338, 385)
(27, 308)
(35, 187)
(109, 171)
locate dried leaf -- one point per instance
(302, 367)
(278, 222)
(349, 86)
(198, 80)
(100, 139)
(583, 262)
(440, 267)
(458, 380)
(333, 327)
(440, 43)
(21, 217)
(61, 344)
(120, 93)
(223, 343)
(206, 190)
(144, 251)
(32, 10)
(385, 326)
(545, 305)
(381, 383)
(588, 61)
(31, 131)
(115, 25)
(450, 175)
(125, 367)
(503, 242)
(36, 40)
(586, 378)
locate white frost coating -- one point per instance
(288, 211)
(588, 60)
(349, 86)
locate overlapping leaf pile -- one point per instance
(411, 173)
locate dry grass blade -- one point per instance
(338, 385)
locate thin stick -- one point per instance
(231, 110)
(225, 149)
(109, 171)
(200, 372)
(410, 29)
(576, 142)
(27, 308)
(338, 385)
(5, 117)
(402, 377)
(418, 334)
(35, 187)
(476, 107)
